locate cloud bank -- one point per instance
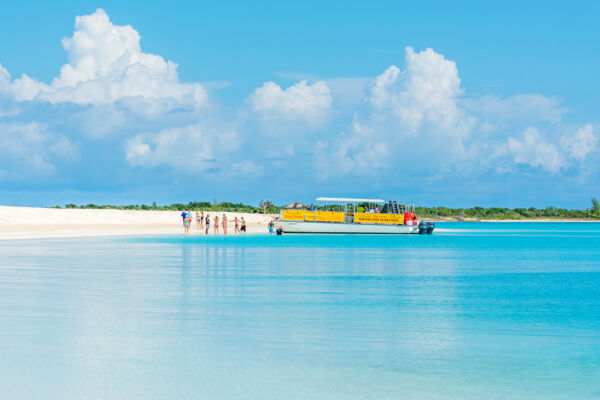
(124, 112)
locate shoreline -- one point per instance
(47, 223)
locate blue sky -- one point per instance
(437, 103)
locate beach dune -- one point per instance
(32, 222)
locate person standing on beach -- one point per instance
(271, 227)
(187, 222)
(236, 226)
(216, 224)
(198, 220)
(243, 225)
(207, 222)
(224, 222)
(183, 217)
(202, 220)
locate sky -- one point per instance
(438, 103)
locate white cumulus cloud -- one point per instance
(106, 64)
(425, 92)
(420, 119)
(520, 108)
(535, 150)
(193, 148)
(246, 169)
(308, 104)
(410, 112)
(581, 143)
(28, 149)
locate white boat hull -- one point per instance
(343, 228)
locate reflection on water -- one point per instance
(496, 311)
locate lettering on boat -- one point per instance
(320, 216)
(371, 218)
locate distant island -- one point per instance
(439, 213)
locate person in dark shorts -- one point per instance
(198, 220)
(207, 222)
(243, 228)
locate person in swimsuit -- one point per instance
(186, 224)
(243, 225)
(236, 225)
(207, 222)
(224, 222)
(271, 227)
(216, 224)
(198, 220)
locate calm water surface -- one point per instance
(496, 311)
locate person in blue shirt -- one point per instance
(183, 217)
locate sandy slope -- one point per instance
(30, 222)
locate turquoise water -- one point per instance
(495, 311)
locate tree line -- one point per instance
(263, 206)
(499, 213)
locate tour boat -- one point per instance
(361, 216)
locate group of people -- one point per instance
(203, 222)
(362, 209)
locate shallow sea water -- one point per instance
(494, 310)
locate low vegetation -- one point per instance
(497, 213)
(500, 213)
(263, 206)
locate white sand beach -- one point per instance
(32, 223)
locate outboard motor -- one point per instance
(422, 227)
(430, 227)
(279, 231)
